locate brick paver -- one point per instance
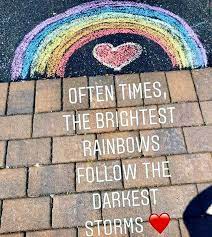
(172, 230)
(55, 174)
(202, 80)
(98, 95)
(77, 82)
(206, 107)
(73, 210)
(171, 141)
(3, 98)
(202, 187)
(126, 125)
(48, 95)
(91, 126)
(15, 127)
(183, 229)
(124, 98)
(70, 149)
(50, 124)
(131, 135)
(21, 98)
(145, 178)
(12, 183)
(13, 235)
(181, 86)
(174, 199)
(26, 214)
(100, 184)
(28, 152)
(159, 79)
(53, 233)
(96, 233)
(2, 153)
(120, 211)
(51, 180)
(185, 114)
(198, 168)
(198, 139)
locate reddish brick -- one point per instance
(12, 183)
(207, 111)
(74, 82)
(181, 86)
(2, 153)
(70, 149)
(120, 212)
(171, 141)
(153, 77)
(143, 123)
(28, 152)
(101, 82)
(93, 122)
(51, 180)
(84, 185)
(174, 199)
(73, 210)
(14, 127)
(48, 95)
(202, 187)
(53, 233)
(123, 98)
(13, 235)
(26, 214)
(3, 98)
(21, 97)
(198, 139)
(203, 80)
(144, 179)
(185, 114)
(171, 230)
(102, 138)
(190, 168)
(101, 232)
(50, 124)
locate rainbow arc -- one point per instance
(48, 47)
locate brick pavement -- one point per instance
(39, 158)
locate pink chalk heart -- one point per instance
(117, 57)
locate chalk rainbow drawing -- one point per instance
(49, 46)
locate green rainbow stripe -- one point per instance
(47, 49)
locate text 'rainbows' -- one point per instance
(48, 47)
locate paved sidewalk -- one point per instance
(39, 192)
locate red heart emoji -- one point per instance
(159, 223)
(117, 57)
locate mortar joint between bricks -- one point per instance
(27, 181)
(122, 174)
(5, 154)
(115, 90)
(1, 211)
(140, 80)
(75, 176)
(89, 96)
(7, 98)
(198, 100)
(170, 181)
(61, 81)
(33, 108)
(169, 93)
(51, 150)
(51, 211)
